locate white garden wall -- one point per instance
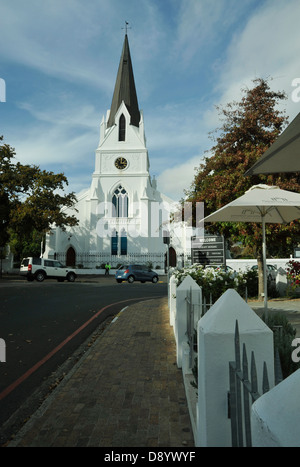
(216, 331)
(275, 415)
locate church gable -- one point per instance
(122, 133)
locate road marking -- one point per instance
(117, 316)
(35, 367)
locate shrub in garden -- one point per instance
(284, 334)
(249, 279)
(215, 281)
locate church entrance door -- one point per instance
(71, 257)
(172, 258)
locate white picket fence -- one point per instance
(275, 415)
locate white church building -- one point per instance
(122, 215)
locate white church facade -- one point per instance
(122, 216)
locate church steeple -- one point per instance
(125, 89)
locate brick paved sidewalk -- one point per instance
(125, 392)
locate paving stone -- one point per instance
(126, 391)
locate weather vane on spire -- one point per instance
(126, 27)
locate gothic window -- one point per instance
(120, 202)
(122, 128)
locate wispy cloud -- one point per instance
(267, 47)
(174, 179)
(60, 61)
(56, 38)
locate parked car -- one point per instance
(136, 272)
(41, 268)
(271, 271)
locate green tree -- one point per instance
(31, 200)
(249, 127)
(29, 244)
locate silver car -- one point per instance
(136, 272)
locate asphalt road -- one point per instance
(47, 327)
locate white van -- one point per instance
(40, 268)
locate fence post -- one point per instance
(181, 314)
(172, 299)
(198, 306)
(215, 350)
(275, 415)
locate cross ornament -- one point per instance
(126, 27)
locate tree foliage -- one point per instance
(249, 127)
(31, 199)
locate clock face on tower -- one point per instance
(121, 163)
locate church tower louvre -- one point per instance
(120, 217)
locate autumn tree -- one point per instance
(31, 200)
(248, 128)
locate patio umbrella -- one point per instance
(261, 204)
(283, 155)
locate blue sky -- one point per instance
(59, 61)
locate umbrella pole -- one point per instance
(265, 269)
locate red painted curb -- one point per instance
(35, 367)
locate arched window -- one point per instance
(120, 202)
(122, 128)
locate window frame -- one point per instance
(120, 202)
(122, 128)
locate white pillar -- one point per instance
(181, 314)
(275, 418)
(216, 331)
(172, 299)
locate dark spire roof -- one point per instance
(125, 89)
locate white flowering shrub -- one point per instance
(214, 280)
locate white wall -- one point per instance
(275, 415)
(244, 264)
